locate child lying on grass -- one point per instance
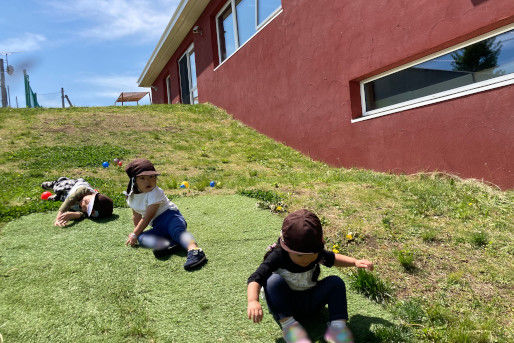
(289, 275)
(80, 200)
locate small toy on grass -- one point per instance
(105, 164)
(116, 160)
(45, 195)
(184, 184)
(120, 163)
(212, 183)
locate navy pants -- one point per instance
(284, 302)
(168, 228)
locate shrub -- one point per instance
(410, 310)
(370, 285)
(479, 238)
(406, 259)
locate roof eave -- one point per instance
(180, 24)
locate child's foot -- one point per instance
(195, 259)
(295, 333)
(165, 252)
(338, 332)
(48, 185)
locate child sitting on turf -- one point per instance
(150, 206)
(289, 275)
(80, 199)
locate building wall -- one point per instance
(297, 81)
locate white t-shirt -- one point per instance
(140, 202)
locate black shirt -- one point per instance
(297, 277)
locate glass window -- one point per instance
(188, 82)
(478, 63)
(192, 72)
(266, 8)
(226, 33)
(245, 11)
(235, 30)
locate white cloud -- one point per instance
(113, 19)
(24, 43)
(111, 86)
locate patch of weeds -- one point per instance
(349, 211)
(65, 157)
(429, 236)
(392, 333)
(268, 200)
(169, 183)
(387, 222)
(438, 314)
(406, 258)
(479, 238)
(456, 279)
(156, 136)
(263, 195)
(253, 173)
(324, 221)
(370, 285)
(410, 310)
(472, 330)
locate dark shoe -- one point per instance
(162, 253)
(195, 258)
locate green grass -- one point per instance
(82, 284)
(461, 230)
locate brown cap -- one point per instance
(102, 206)
(140, 166)
(302, 233)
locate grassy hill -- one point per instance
(442, 245)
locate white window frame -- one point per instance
(188, 52)
(168, 88)
(477, 87)
(258, 27)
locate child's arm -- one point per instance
(142, 223)
(64, 215)
(254, 307)
(347, 261)
(63, 218)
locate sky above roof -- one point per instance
(94, 49)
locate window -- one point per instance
(240, 20)
(168, 88)
(483, 63)
(187, 71)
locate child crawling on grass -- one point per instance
(80, 200)
(150, 206)
(289, 275)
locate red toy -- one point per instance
(45, 195)
(119, 163)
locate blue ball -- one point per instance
(213, 183)
(105, 164)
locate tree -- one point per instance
(477, 57)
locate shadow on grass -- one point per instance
(113, 217)
(359, 325)
(101, 221)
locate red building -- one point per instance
(389, 85)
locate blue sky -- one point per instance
(94, 49)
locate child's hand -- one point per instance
(364, 264)
(254, 311)
(132, 239)
(60, 222)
